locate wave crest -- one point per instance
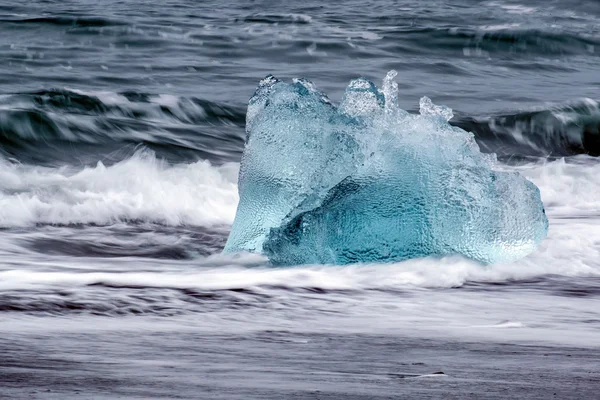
(557, 131)
(67, 125)
(141, 188)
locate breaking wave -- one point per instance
(59, 125)
(141, 188)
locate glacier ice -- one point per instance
(366, 181)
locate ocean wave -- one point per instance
(568, 186)
(283, 19)
(141, 240)
(554, 131)
(141, 188)
(510, 40)
(73, 21)
(61, 124)
(407, 275)
(130, 104)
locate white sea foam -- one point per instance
(383, 298)
(512, 8)
(571, 250)
(106, 97)
(140, 188)
(517, 9)
(501, 27)
(568, 189)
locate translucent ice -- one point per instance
(367, 181)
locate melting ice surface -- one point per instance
(366, 181)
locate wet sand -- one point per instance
(286, 365)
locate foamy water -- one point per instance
(546, 293)
(141, 188)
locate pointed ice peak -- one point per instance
(361, 98)
(269, 80)
(426, 107)
(258, 100)
(361, 84)
(264, 88)
(390, 91)
(306, 83)
(309, 87)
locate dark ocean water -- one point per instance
(121, 130)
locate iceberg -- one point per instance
(366, 181)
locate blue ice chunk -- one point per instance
(369, 182)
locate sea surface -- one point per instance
(121, 130)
